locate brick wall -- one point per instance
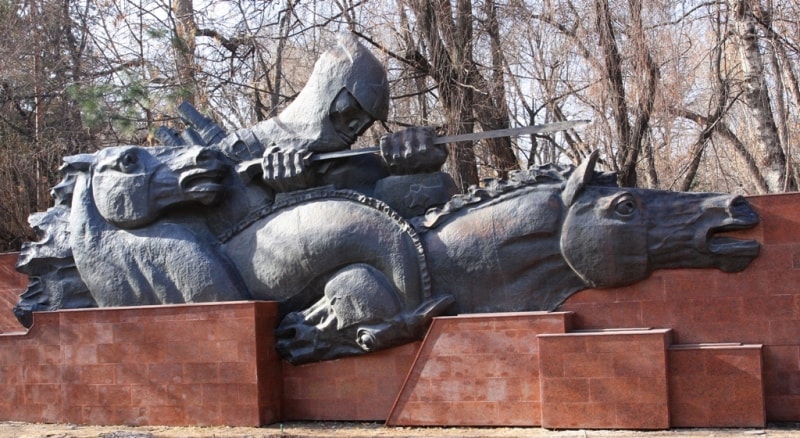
(478, 370)
(716, 385)
(172, 365)
(359, 388)
(605, 379)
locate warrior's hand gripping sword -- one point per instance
(253, 167)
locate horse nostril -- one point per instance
(738, 203)
(204, 157)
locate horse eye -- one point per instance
(128, 161)
(625, 207)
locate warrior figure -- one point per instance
(347, 91)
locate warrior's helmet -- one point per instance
(350, 65)
(348, 68)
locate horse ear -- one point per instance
(79, 162)
(580, 178)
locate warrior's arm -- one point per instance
(291, 166)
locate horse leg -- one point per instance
(361, 311)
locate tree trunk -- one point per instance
(492, 113)
(612, 63)
(645, 68)
(448, 37)
(631, 138)
(773, 160)
(785, 79)
(184, 45)
(274, 99)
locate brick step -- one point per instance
(531, 369)
(716, 385)
(637, 379)
(477, 370)
(523, 369)
(605, 379)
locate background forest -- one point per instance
(682, 94)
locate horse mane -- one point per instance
(493, 188)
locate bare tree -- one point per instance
(446, 30)
(765, 133)
(184, 33)
(40, 121)
(631, 136)
(683, 94)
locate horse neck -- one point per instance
(538, 220)
(86, 223)
(518, 237)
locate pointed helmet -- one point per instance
(350, 65)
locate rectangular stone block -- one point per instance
(716, 385)
(615, 379)
(350, 389)
(477, 370)
(126, 366)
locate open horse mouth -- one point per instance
(203, 185)
(734, 253)
(724, 245)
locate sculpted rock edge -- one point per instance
(361, 256)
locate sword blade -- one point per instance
(511, 132)
(472, 136)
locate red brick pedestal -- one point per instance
(356, 388)
(605, 379)
(171, 365)
(716, 385)
(725, 352)
(478, 370)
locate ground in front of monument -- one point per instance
(320, 429)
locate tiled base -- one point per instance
(214, 364)
(172, 365)
(716, 385)
(605, 380)
(477, 370)
(356, 388)
(782, 381)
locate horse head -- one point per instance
(132, 186)
(614, 236)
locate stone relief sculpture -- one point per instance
(356, 263)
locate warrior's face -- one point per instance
(348, 118)
(346, 92)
